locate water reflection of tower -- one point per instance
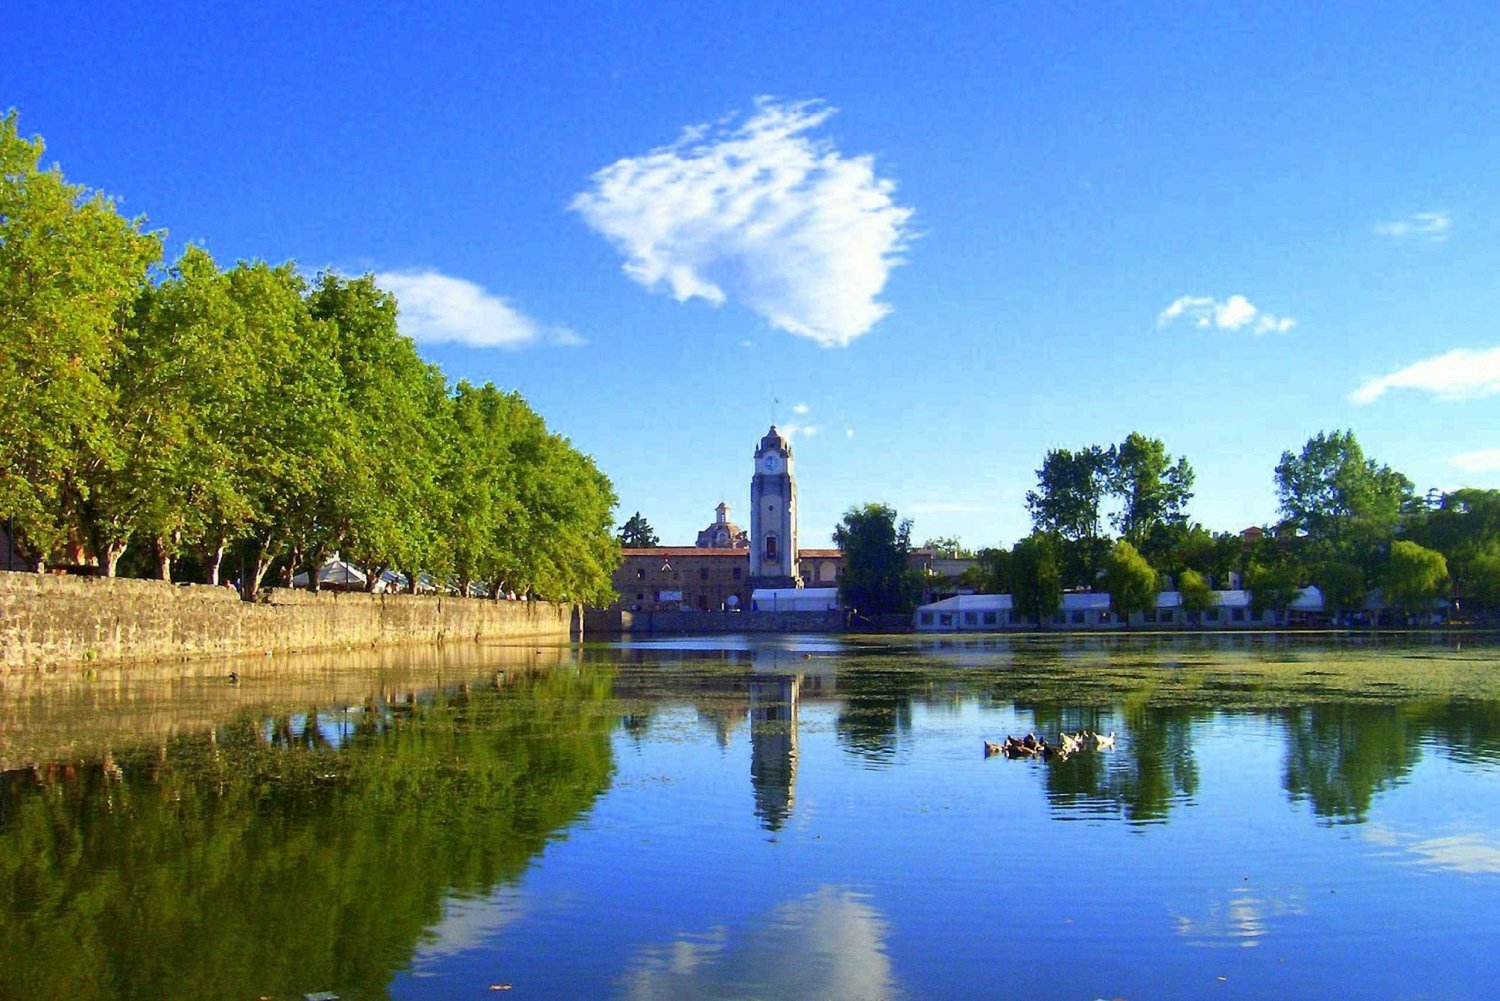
(773, 745)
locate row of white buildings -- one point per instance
(1090, 610)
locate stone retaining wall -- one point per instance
(48, 620)
(598, 621)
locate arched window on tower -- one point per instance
(771, 556)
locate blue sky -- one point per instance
(933, 242)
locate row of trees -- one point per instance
(1349, 524)
(191, 411)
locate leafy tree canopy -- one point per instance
(1036, 577)
(877, 576)
(1130, 580)
(1415, 576)
(1345, 503)
(637, 533)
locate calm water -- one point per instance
(734, 818)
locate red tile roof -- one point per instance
(819, 554)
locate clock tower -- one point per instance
(773, 514)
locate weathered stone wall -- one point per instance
(52, 620)
(597, 621)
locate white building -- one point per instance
(1090, 610)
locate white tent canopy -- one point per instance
(794, 599)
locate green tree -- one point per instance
(877, 576)
(1152, 489)
(70, 271)
(1130, 580)
(1482, 582)
(1197, 596)
(1415, 577)
(1346, 504)
(637, 533)
(1036, 578)
(1465, 528)
(991, 572)
(1070, 488)
(479, 480)
(1272, 588)
(162, 473)
(374, 510)
(1343, 587)
(1172, 547)
(290, 439)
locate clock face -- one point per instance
(771, 463)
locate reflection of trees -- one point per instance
(1339, 755)
(1468, 728)
(242, 864)
(876, 711)
(1152, 767)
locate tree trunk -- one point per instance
(214, 562)
(163, 554)
(109, 557)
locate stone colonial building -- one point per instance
(728, 563)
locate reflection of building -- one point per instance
(773, 745)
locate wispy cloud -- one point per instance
(1234, 313)
(1430, 226)
(1457, 375)
(800, 408)
(761, 212)
(793, 429)
(435, 308)
(1485, 460)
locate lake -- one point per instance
(760, 817)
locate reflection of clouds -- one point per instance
(465, 925)
(829, 944)
(1472, 853)
(1241, 917)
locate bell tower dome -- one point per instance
(773, 514)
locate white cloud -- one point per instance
(795, 430)
(759, 212)
(1234, 313)
(564, 337)
(1458, 375)
(438, 309)
(1484, 461)
(848, 432)
(801, 408)
(1430, 226)
(1476, 853)
(831, 943)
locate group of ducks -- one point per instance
(1032, 746)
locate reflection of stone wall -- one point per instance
(618, 621)
(66, 715)
(49, 620)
